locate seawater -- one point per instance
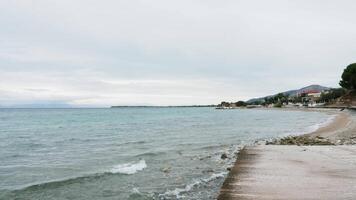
(131, 153)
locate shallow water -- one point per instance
(131, 153)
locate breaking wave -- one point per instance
(177, 192)
(129, 168)
(124, 169)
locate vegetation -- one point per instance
(332, 95)
(236, 104)
(349, 77)
(224, 104)
(296, 99)
(258, 103)
(278, 105)
(278, 100)
(281, 99)
(240, 104)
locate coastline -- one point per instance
(326, 167)
(339, 129)
(341, 123)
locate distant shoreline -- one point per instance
(188, 106)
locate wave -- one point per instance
(61, 183)
(129, 168)
(133, 142)
(213, 147)
(177, 192)
(149, 154)
(121, 169)
(136, 194)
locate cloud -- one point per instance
(167, 52)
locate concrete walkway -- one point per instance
(292, 172)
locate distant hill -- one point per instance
(292, 93)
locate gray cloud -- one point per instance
(169, 52)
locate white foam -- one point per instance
(136, 191)
(129, 168)
(178, 191)
(215, 176)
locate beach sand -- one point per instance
(341, 130)
(298, 172)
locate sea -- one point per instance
(132, 153)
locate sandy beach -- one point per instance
(342, 130)
(298, 171)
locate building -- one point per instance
(310, 97)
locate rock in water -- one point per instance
(223, 156)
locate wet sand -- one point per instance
(298, 172)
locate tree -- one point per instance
(281, 98)
(224, 104)
(348, 80)
(332, 95)
(240, 104)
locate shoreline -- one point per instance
(319, 159)
(341, 121)
(339, 130)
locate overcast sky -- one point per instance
(165, 52)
